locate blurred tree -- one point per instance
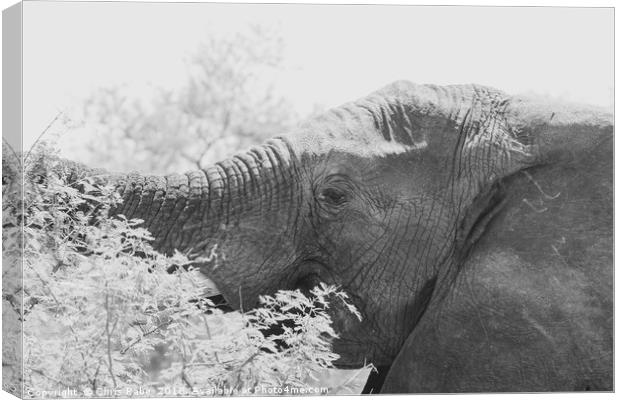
(227, 103)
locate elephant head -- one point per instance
(386, 197)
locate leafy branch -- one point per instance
(147, 311)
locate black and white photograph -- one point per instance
(258, 199)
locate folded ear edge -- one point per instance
(558, 131)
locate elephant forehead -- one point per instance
(403, 117)
(353, 129)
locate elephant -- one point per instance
(472, 229)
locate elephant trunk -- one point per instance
(192, 211)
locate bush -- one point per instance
(98, 303)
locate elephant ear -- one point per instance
(531, 308)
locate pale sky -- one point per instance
(334, 53)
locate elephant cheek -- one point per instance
(244, 271)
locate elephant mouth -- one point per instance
(213, 294)
(308, 275)
(220, 303)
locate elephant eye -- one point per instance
(332, 196)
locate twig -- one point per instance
(547, 196)
(217, 358)
(49, 289)
(109, 335)
(249, 360)
(49, 377)
(536, 210)
(204, 364)
(12, 150)
(246, 362)
(138, 340)
(94, 380)
(185, 378)
(191, 159)
(43, 133)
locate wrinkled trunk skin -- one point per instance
(240, 208)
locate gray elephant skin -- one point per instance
(472, 229)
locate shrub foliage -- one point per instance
(99, 305)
